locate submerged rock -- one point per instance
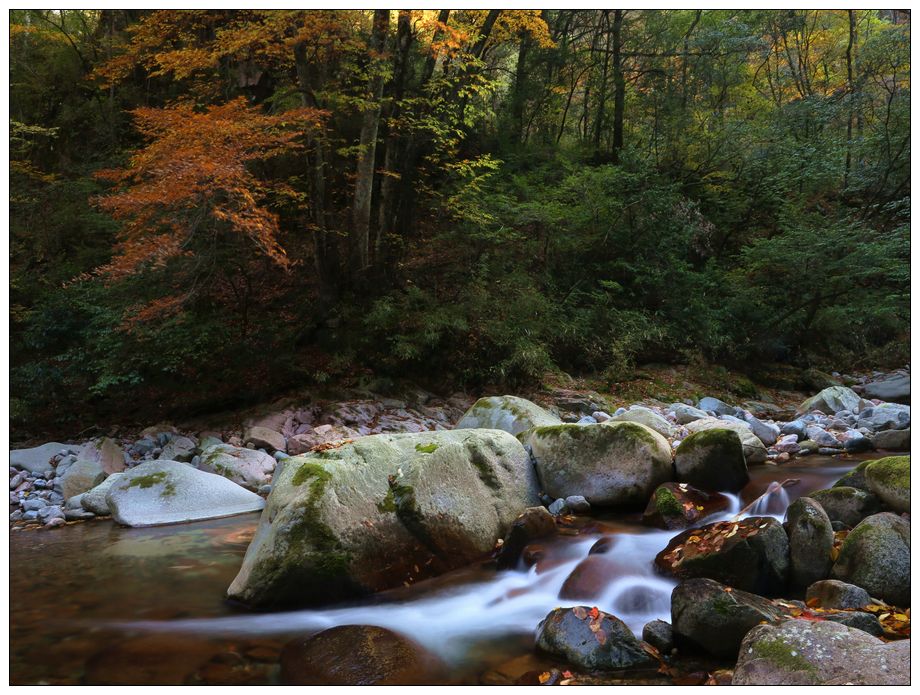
(595, 641)
(802, 652)
(171, 492)
(382, 510)
(712, 459)
(610, 464)
(357, 655)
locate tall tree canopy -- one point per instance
(249, 199)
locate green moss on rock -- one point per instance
(782, 655)
(426, 448)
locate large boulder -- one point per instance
(712, 459)
(892, 440)
(713, 617)
(610, 464)
(678, 505)
(889, 480)
(887, 416)
(95, 500)
(855, 478)
(508, 413)
(357, 655)
(754, 450)
(804, 652)
(894, 388)
(81, 476)
(647, 417)
(751, 554)
(170, 492)
(38, 458)
(832, 400)
(848, 505)
(247, 467)
(811, 539)
(714, 405)
(876, 556)
(592, 640)
(382, 510)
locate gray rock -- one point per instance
(834, 594)
(887, 416)
(37, 458)
(831, 400)
(804, 652)
(80, 477)
(828, 451)
(822, 437)
(600, 416)
(144, 446)
(16, 515)
(557, 507)
(787, 444)
(577, 504)
(106, 452)
(179, 448)
(686, 413)
(811, 539)
(171, 492)
(567, 633)
(371, 513)
(208, 441)
(52, 512)
(247, 467)
(892, 440)
(610, 464)
(766, 432)
(754, 450)
(534, 523)
(712, 460)
(855, 478)
(846, 504)
(796, 427)
(33, 504)
(856, 442)
(660, 635)
(17, 480)
(586, 420)
(876, 556)
(894, 388)
(716, 406)
(647, 417)
(508, 413)
(262, 437)
(858, 620)
(889, 480)
(55, 522)
(710, 616)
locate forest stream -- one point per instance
(105, 604)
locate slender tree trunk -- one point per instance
(364, 174)
(619, 85)
(602, 92)
(517, 94)
(850, 96)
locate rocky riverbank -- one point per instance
(372, 494)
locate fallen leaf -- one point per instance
(594, 612)
(580, 612)
(543, 677)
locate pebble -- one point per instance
(16, 480)
(600, 416)
(265, 489)
(280, 456)
(557, 507)
(16, 516)
(56, 522)
(828, 451)
(577, 504)
(30, 516)
(33, 504)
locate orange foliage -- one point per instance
(191, 183)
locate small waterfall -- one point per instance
(773, 502)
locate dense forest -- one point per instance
(210, 207)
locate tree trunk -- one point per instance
(850, 96)
(364, 174)
(619, 85)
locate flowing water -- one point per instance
(97, 603)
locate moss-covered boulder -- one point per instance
(610, 464)
(855, 478)
(889, 479)
(381, 511)
(712, 459)
(713, 617)
(508, 413)
(678, 505)
(170, 492)
(811, 539)
(754, 450)
(247, 467)
(591, 640)
(751, 554)
(876, 556)
(848, 505)
(805, 652)
(832, 400)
